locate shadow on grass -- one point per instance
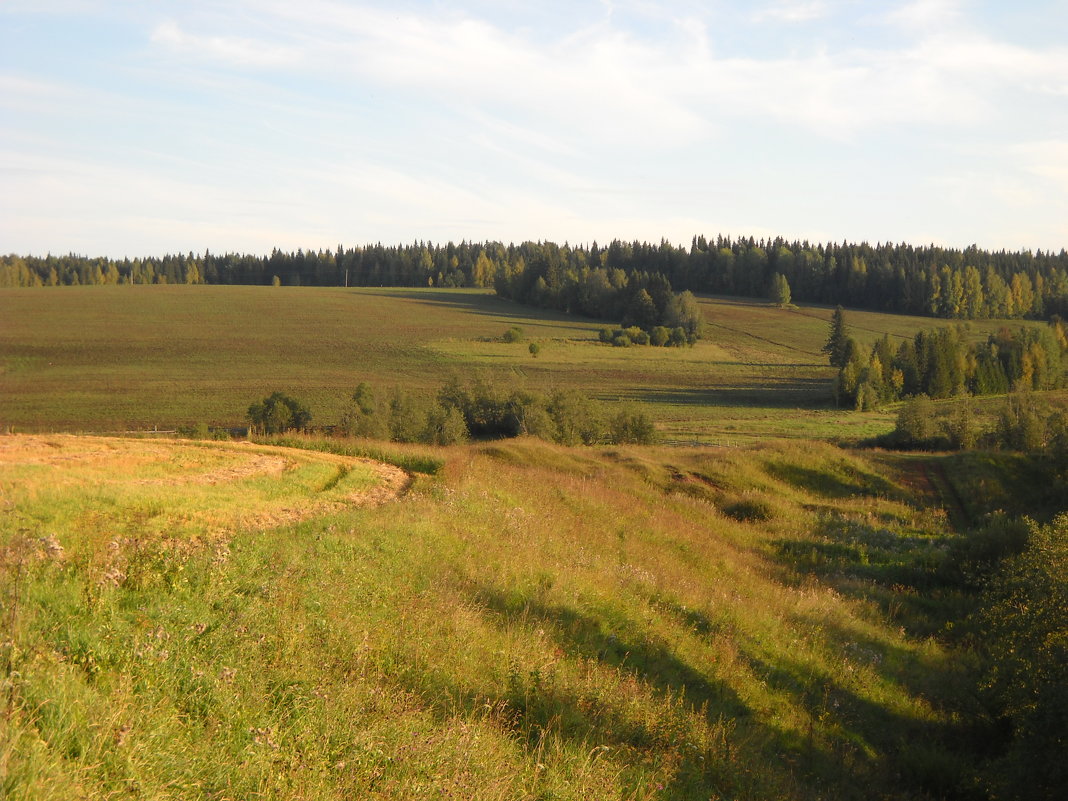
(860, 738)
(585, 636)
(899, 573)
(797, 393)
(832, 484)
(489, 305)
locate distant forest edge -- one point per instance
(926, 280)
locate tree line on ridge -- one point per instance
(967, 283)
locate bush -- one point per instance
(364, 417)
(660, 336)
(679, 338)
(513, 334)
(278, 413)
(916, 425)
(1024, 620)
(579, 420)
(621, 340)
(607, 335)
(749, 510)
(636, 335)
(632, 426)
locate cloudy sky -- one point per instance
(136, 127)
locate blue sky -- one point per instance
(137, 127)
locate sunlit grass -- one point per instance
(114, 358)
(534, 621)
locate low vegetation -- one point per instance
(530, 621)
(436, 593)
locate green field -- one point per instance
(134, 357)
(193, 620)
(322, 618)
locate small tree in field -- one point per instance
(277, 413)
(837, 345)
(780, 290)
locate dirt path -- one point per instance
(926, 475)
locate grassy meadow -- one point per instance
(189, 620)
(117, 358)
(303, 618)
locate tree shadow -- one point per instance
(828, 484)
(585, 636)
(796, 393)
(490, 305)
(897, 572)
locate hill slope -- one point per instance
(534, 622)
(110, 358)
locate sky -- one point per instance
(144, 127)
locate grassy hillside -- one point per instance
(113, 358)
(531, 623)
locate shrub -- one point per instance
(660, 336)
(1024, 620)
(636, 335)
(364, 417)
(632, 426)
(916, 425)
(577, 418)
(749, 510)
(621, 340)
(278, 413)
(679, 338)
(606, 335)
(513, 334)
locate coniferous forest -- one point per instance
(603, 281)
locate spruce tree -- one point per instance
(836, 345)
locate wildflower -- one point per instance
(52, 546)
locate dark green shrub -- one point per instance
(1024, 624)
(278, 413)
(631, 425)
(749, 510)
(513, 334)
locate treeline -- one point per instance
(927, 280)
(638, 300)
(1023, 422)
(943, 363)
(480, 409)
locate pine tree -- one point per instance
(837, 340)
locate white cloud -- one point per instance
(228, 49)
(926, 15)
(1046, 159)
(790, 11)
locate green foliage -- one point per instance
(916, 424)
(837, 340)
(1022, 423)
(534, 349)
(1024, 621)
(632, 425)
(364, 416)
(779, 291)
(749, 510)
(278, 413)
(513, 334)
(600, 282)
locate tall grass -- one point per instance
(534, 622)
